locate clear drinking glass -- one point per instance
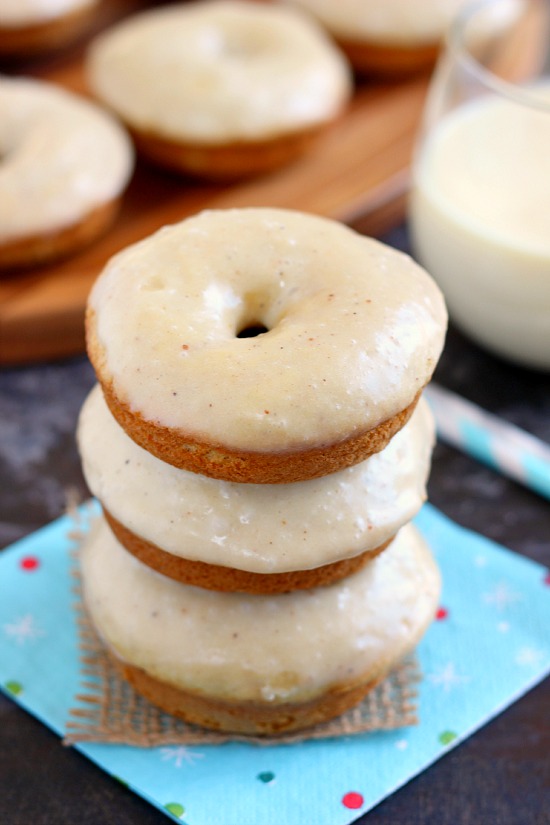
(480, 201)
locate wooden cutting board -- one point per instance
(358, 173)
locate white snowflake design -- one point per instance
(528, 656)
(24, 629)
(180, 755)
(501, 596)
(447, 678)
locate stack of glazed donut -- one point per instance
(259, 445)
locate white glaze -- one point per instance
(16, 13)
(61, 157)
(405, 22)
(258, 527)
(290, 647)
(355, 329)
(219, 71)
(480, 220)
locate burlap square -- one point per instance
(108, 710)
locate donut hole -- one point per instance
(252, 330)
(250, 320)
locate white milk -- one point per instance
(480, 221)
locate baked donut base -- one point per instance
(31, 40)
(230, 579)
(390, 59)
(35, 250)
(217, 461)
(225, 162)
(251, 718)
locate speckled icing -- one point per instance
(258, 527)
(220, 71)
(62, 157)
(355, 329)
(290, 647)
(15, 13)
(405, 22)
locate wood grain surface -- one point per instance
(357, 172)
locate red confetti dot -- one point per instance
(547, 580)
(352, 800)
(441, 614)
(29, 563)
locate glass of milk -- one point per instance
(480, 201)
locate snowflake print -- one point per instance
(528, 656)
(24, 629)
(180, 755)
(447, 678)
(501, 596)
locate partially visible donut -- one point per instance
(65, 164)
(352, 332)
(259, 664)
(36, 27)
(220, 89)
(253, 537)
(385, 37)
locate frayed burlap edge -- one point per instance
(108, 710)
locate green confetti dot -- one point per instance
(447, 737)
(175, 809)
(122, 781)
(266, 776)
(15, 688)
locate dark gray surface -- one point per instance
(500, 776)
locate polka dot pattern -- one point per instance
(446, 737)
(175, 808)
(266, 776)
(29, 563)
(352, 800)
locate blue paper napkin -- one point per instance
(488, 646)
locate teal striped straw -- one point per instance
(496, 443)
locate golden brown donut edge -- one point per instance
(40, 38)
(34, 250)
(230, 579)
(250, 718)
(186, 452)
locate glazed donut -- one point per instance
(385, 36)
(254, 538)
(220, 89)
(259, 664)
(65, 165)
(352, 330)
(30, 27)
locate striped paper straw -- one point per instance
(497, 443)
